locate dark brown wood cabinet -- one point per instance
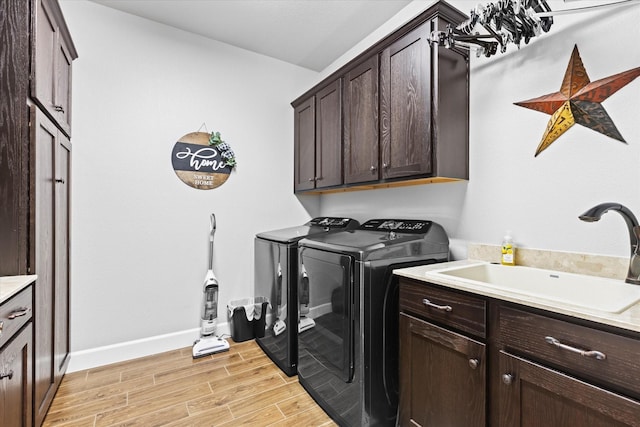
(572, 374)
(14, 137)
(405, 105)
(304, 140)
(35, 178)
(328, 153)
(16, 360)
(361, 154)
(442, 370)
(469, 360)
(534, 395)
(442, 376)
(318, 139)
(424, 123)
(405, 109)
(51, 59)
(50, 209)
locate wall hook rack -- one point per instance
(504, 22)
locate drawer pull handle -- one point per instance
(439, 307)
(586, 353)
(3, 375)
(19, 313)
(59, 108)
(1, 326)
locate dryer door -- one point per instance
(325, 295)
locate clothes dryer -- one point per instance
(348, 362)
(276, 272)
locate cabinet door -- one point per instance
(405, 106)
(49, 256)
(16, 380)
(304, 145)
(61, 345)
(361, 157)
(52, 57)
(329, 135)
(532, 395)
(442, 376)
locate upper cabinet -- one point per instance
(361, 154)
(318, 139)
(53, 52)
(405, 107)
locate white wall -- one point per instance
(538, 199)
(140, 235)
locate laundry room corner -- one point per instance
(139, 236)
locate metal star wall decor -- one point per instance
(578, 101)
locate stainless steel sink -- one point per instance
(594, 293)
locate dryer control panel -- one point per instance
(414, 226)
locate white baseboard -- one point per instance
(99, 356)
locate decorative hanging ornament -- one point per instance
(202, 160)
(578, 101)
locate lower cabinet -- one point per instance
(532, 395)
(532, 368)
(15, 385)
(442, 376)
(16, 357)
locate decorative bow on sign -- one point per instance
(579, 101)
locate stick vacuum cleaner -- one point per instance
(209, 343)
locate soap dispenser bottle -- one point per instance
(508, 250)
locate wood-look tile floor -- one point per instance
(239, 387)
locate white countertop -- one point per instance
(628, 319)
(11, 285)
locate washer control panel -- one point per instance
(398, 225)
(332, 222)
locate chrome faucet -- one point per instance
(594, 214)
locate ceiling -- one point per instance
(308, 33)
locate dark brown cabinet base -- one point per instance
(532, 395)
(442, 376)
(520, 378)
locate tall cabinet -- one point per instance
(50, 162)
(35, 163)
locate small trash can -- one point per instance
(248, 318)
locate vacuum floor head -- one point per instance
(209, 345)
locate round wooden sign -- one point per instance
(198, 164)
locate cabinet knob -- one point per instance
(311, 179)
(507, 379)
(59, 108)
(474, 363)
(8, 375)
(385, 166)
(373, 168)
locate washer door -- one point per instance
(325, 294)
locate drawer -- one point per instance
(459, 311)
(14, 314)
(594, 355)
